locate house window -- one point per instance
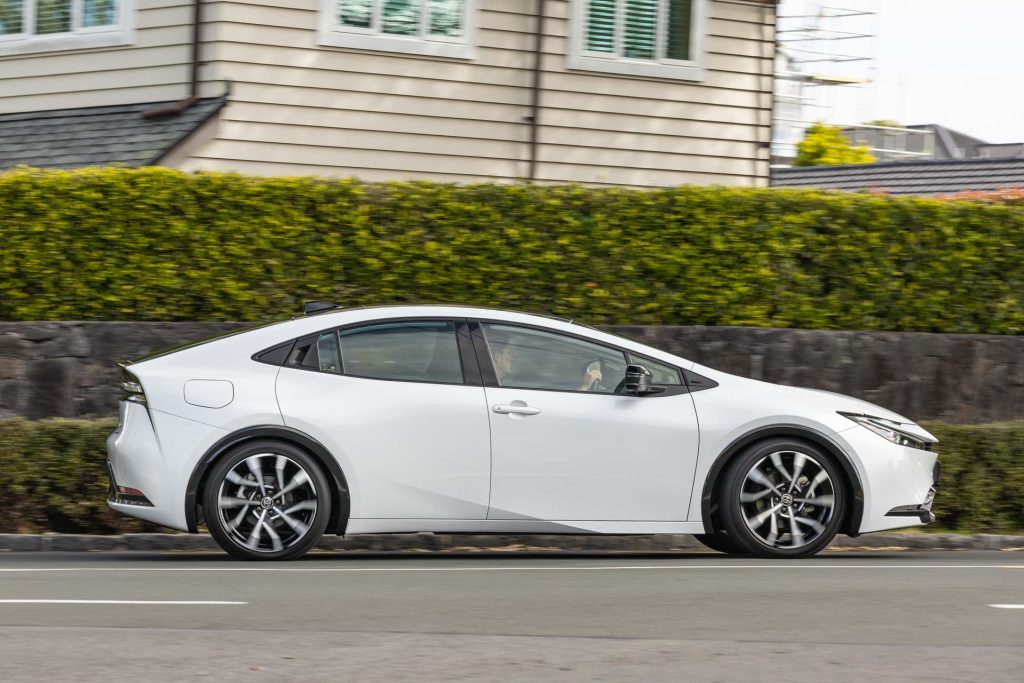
(44, 25)
(656, 38)
(441, 28)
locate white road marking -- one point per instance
(1008, 606)
(504, 569)
(121, 602)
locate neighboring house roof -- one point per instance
(908, 177)
(952, 144)
(97, 136)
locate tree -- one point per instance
(888, 123)
(825, 145)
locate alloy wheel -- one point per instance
(267, 503)
(787, 499)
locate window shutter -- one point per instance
(400, 17)
(640, 29)
(99, 13)
(680, 13)
(10, 17)
(600, 33)
(446, 17)
(356, 13)
(53, 16)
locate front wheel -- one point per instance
(266, 500)
(783, 498)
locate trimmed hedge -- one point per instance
(54, 477)
(156, 244)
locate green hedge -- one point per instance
(156, 244)
(54, 477)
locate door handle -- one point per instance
(515, 409)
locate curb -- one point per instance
(468, 543)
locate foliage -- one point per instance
(982, 483)
(825, 145)
(888, 123)
(156, 244)
(55, 477)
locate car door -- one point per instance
(568, 445)
(392, 401)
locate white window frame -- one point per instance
(579, 58)
(80, 37)
(333, 34)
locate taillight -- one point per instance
(130, 386)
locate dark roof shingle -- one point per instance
(97, 136)
(908, 177)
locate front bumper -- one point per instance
(923, 511)
(898, 481)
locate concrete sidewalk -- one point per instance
(427, 542)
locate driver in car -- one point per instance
(591, 377)
(502, 357)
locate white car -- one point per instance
(458, 419)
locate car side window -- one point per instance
(660, 372)
(415, 351)
(526, 358)
(316, 352)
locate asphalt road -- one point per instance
(840, 616)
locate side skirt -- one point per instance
(517, 526)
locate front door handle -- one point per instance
(515, 409)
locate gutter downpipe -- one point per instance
(178, 107)
(533, 118)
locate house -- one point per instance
(604, 92)
(927, 141)
(925, 177)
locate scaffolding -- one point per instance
(821, 48)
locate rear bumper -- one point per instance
(150, 458)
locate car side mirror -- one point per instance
(639, 381)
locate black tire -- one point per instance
(719, 542)
(740, 519)
(292, 521)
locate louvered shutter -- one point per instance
(357, 13)
(53, 16)
(640, 29)
(11, 17)
(400, 17)
(680, 17)
(600, 33)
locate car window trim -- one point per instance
(490, 377)
(470, 371)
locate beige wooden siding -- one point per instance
(298, 107)
(154, 68)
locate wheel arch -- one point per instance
(340, 501)
(708, 504)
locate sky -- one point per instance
(956, 63)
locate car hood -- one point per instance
(808, 401)
(848, 404)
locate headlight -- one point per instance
(888, 430)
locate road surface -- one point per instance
(335, 616)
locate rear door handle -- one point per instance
(514, 409)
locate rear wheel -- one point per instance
(783, 498)
(266, 500)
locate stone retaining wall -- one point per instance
(66, 369)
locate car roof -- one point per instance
(266, 336)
